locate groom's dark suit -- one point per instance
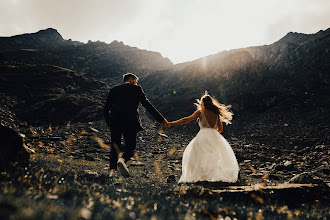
(122, 116)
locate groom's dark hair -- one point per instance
(128, 76)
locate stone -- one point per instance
(12, 150)
(171, 179)
(287, 163)
(304, 178)
(136, 164)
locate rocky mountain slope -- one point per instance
(94, 60)
(45, 94)
(289, 74)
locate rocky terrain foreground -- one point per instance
(68, 178)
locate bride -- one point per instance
(208, 157)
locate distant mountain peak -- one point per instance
(48, 30)
(116, 43)
(327, 31)
(293, 37)
(299, 38)
(47, 38)
(50, 34)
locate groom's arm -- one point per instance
(150, 108)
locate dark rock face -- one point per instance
(43, 39)
(289, 74)
(12, 152)
(43, 94)
(96, 60)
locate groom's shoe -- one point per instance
(112, 174)
(123, 168)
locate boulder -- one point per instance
(13, 152)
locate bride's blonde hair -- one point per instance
(213, 105)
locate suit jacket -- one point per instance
(121, 107)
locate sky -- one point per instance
(181, 30)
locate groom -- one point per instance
(122, 116)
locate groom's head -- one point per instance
(130, 78)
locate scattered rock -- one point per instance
(274, 177)
(93, 129)
(305, 177)
(272, 166)
(287, 163)
(55, 138)
(136, 163)
(163, 135)
(171, 179)
(90, 172)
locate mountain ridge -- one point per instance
(251, 79)
(93, 59)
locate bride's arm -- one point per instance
(185, 120)
(220, 127)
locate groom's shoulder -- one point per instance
(115, 87)
(118, 87)
(126, 87)
(137, 87)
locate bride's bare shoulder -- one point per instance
(198, 112)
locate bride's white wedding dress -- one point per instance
(209, 157)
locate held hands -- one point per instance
(166, 124)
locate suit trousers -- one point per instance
(130, 144)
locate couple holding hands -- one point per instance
(208, 157)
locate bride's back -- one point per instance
(208, 119)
